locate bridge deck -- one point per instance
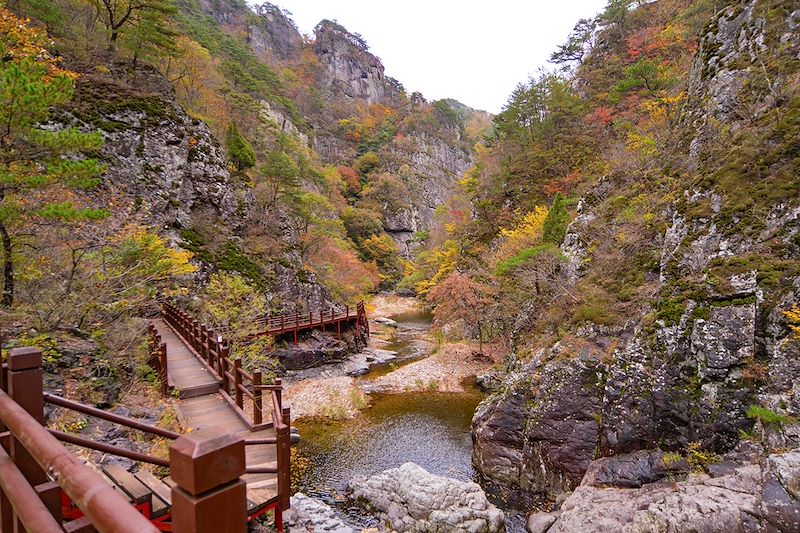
(186, 373)
(212, 410)
(200, 406)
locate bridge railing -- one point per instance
(44, 488)
(236, 383)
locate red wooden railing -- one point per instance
(280, 324)
(213, 351)
(44, 488)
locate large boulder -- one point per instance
(409, 498)
(748, 495)
(311, 515)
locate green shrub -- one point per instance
(240, 152)
(768, 417)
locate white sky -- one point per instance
(475, 52)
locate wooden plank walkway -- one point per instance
(200, 405)
(212, 410)
(185, 371)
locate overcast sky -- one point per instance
(475, 52)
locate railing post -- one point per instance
(283, 439)
(237, 382)
(208, 496)
(26, 389)
(258, 410)
(163, 369)
(224, 351)
(212, 347)
(202, 347)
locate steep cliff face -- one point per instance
(713, 339)
(435, 166)
(274, 36)
(350, 69)
(268, 29)
(343, 79)
(161, 162)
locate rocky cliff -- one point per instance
(712, 340)
(350, 69)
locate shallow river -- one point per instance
(430, 429)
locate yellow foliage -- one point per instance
(527, 233)
(642, 145)
(19, 40)
(441, 262)
(793, 315)
(661, 109)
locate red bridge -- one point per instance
(334, 319)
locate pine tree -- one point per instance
(240, 152)
(34, 176)
(555, 224)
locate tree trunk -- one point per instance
(112, 42)
(8, 269)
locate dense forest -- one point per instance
(618, 249)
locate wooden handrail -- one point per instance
(30, 510)
(111, 417)
(107, 509)
(107, 448)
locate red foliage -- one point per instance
(351, 179)
(562, 185)
(644, 42)
(601, 116)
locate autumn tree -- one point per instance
(38, 167)
(387, 192)
(459, 297)
(120, 15)
(151, 37)
(88, 275)
(533, 270)
(279, 177)
(229, 303)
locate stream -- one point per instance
(431, 429)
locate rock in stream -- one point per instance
(409, 498)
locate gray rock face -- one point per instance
(309, 515)
(274, 36)
(749, 496)
(167, 164)
(409, 498)
(541, 430)
(540, 522)
(350, 68)
(632, 470)
(318, 349)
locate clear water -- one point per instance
(430, 429)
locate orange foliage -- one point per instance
(351, 179)
(342, 273)
(601, 116)
(21, 40)
(366, 121)
(197, 81)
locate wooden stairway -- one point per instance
(149, 494)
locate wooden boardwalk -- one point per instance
(185, 371)
(201, 405)
(211, 410)
(332, 319)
